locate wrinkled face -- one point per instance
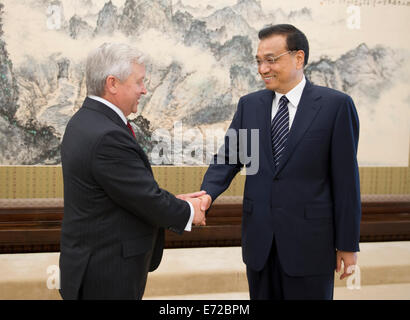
(130, 90)
(285, 72)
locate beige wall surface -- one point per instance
(46, 181)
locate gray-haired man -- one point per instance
(114, 212)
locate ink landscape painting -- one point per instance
(200, 59)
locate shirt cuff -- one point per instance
(191, 218)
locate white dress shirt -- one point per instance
(293, 96)
(122, 116)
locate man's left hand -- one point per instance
(349, 261)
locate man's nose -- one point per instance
(144, 90)
(263, 68)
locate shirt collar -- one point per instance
(295, 94)
(111, 106)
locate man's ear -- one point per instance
(111, 84)
(300, 59)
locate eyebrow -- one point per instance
(266, 55)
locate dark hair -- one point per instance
(295, 39)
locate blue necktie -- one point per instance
(280, 129)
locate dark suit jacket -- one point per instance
(114, 212)
(311, 202)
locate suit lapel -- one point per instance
(265, 135)
(307, 110)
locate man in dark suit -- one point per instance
(114, 212)
(301, 209)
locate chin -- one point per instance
(272, 87)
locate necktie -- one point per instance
(280, 129)
(129, 127)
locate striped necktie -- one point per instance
(129, 127)
(280, 129)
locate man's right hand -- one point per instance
(206, 202)
(199, 214)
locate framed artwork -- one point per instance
(200, 59)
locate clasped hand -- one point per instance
(201, 201)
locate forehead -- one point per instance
(138, 70)
(273, 45)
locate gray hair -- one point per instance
(114, 59)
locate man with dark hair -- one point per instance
(301, 210)
(295, 39)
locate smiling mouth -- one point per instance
(268, 78)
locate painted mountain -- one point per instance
(199, 61)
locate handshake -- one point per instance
(201, 201)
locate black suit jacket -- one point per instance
(114, 212)
(310, 203)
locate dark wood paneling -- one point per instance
(33, 225)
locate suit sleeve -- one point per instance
(345, 177)
(221, 172)
(118, 168)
